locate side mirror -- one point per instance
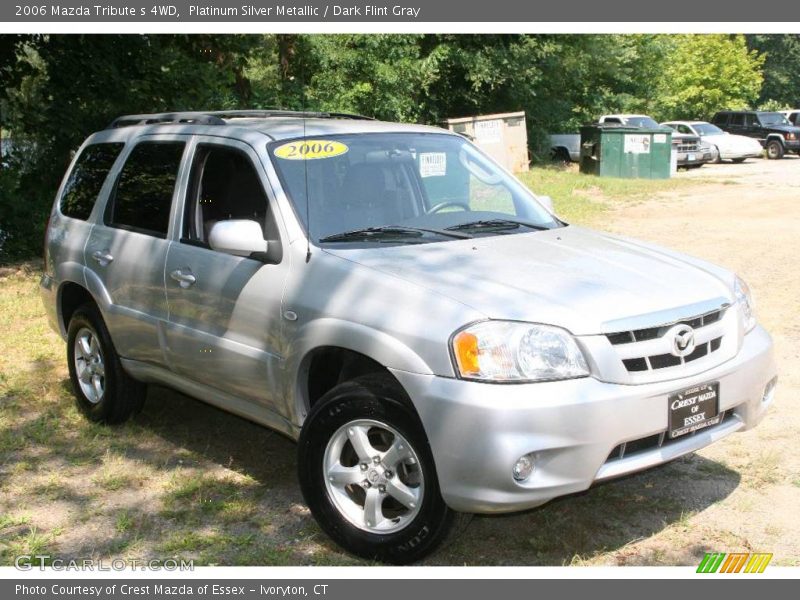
(240, 237)
(546, 201)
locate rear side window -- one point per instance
(720, 119)
(144, 190)
(737, 119)
(87, 178)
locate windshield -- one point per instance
(641, 122)
(773, 118)
(707, 129)
(402, 188)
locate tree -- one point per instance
(781, 68)
(706, 73)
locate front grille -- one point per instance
(665, 360)
(658, 440)
(688, 147)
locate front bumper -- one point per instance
(477, 431)
(700, 158)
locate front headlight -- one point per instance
(510, 351)
(744, 300)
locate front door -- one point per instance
(224, 310)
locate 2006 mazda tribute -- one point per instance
(434, 337)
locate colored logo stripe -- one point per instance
(735, 562)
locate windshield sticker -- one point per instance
(310, 149)
(432, 164)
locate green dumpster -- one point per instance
(610, 150)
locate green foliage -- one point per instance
(781, 68)
(705, 73)
(56, 89)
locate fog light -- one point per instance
(769, 390)
(523, 468)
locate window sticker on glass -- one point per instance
(432, 164)
(310, 149)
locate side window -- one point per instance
(737, 119)
(720, 119)
(612, 120)
(751, 121)
(87, 178)
(685, 129)
(794, 118)
(143, 194)
(224, 185)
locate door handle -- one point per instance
(184, 279)
(102, 257)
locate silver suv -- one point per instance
(431, 334)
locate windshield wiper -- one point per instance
(393, 232)
(495, 225)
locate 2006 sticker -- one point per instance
(310, 149)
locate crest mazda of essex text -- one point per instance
(431, 334)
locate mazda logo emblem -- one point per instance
(682, 340)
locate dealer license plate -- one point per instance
(694, 408)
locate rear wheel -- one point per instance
(104, 393)
(367, 473)
(774, 149)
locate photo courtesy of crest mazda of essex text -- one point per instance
(312, 299)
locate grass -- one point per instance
(580, 199)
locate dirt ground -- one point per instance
(186, 480)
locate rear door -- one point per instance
(753, 128)
(736, 124)
(127, 248)
(224, 326)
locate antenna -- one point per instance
(305, 168)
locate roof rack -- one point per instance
(220, 117)
(194, 118)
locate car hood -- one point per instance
(583, 281)
(784, 128)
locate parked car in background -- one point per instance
(772, 129)
(689, 148)
(565, 147)
(737, 148)
(793, 115)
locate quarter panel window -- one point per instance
(144, 190)
(87, 178)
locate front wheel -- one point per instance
(774, 149)
(367, 474)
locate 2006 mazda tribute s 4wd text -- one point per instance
(431, 334)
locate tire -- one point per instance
(560, 156)
(717, 160)
(104, 393)
(372, 409)
(774, 150)
(738, 160)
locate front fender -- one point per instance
(330, 332)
